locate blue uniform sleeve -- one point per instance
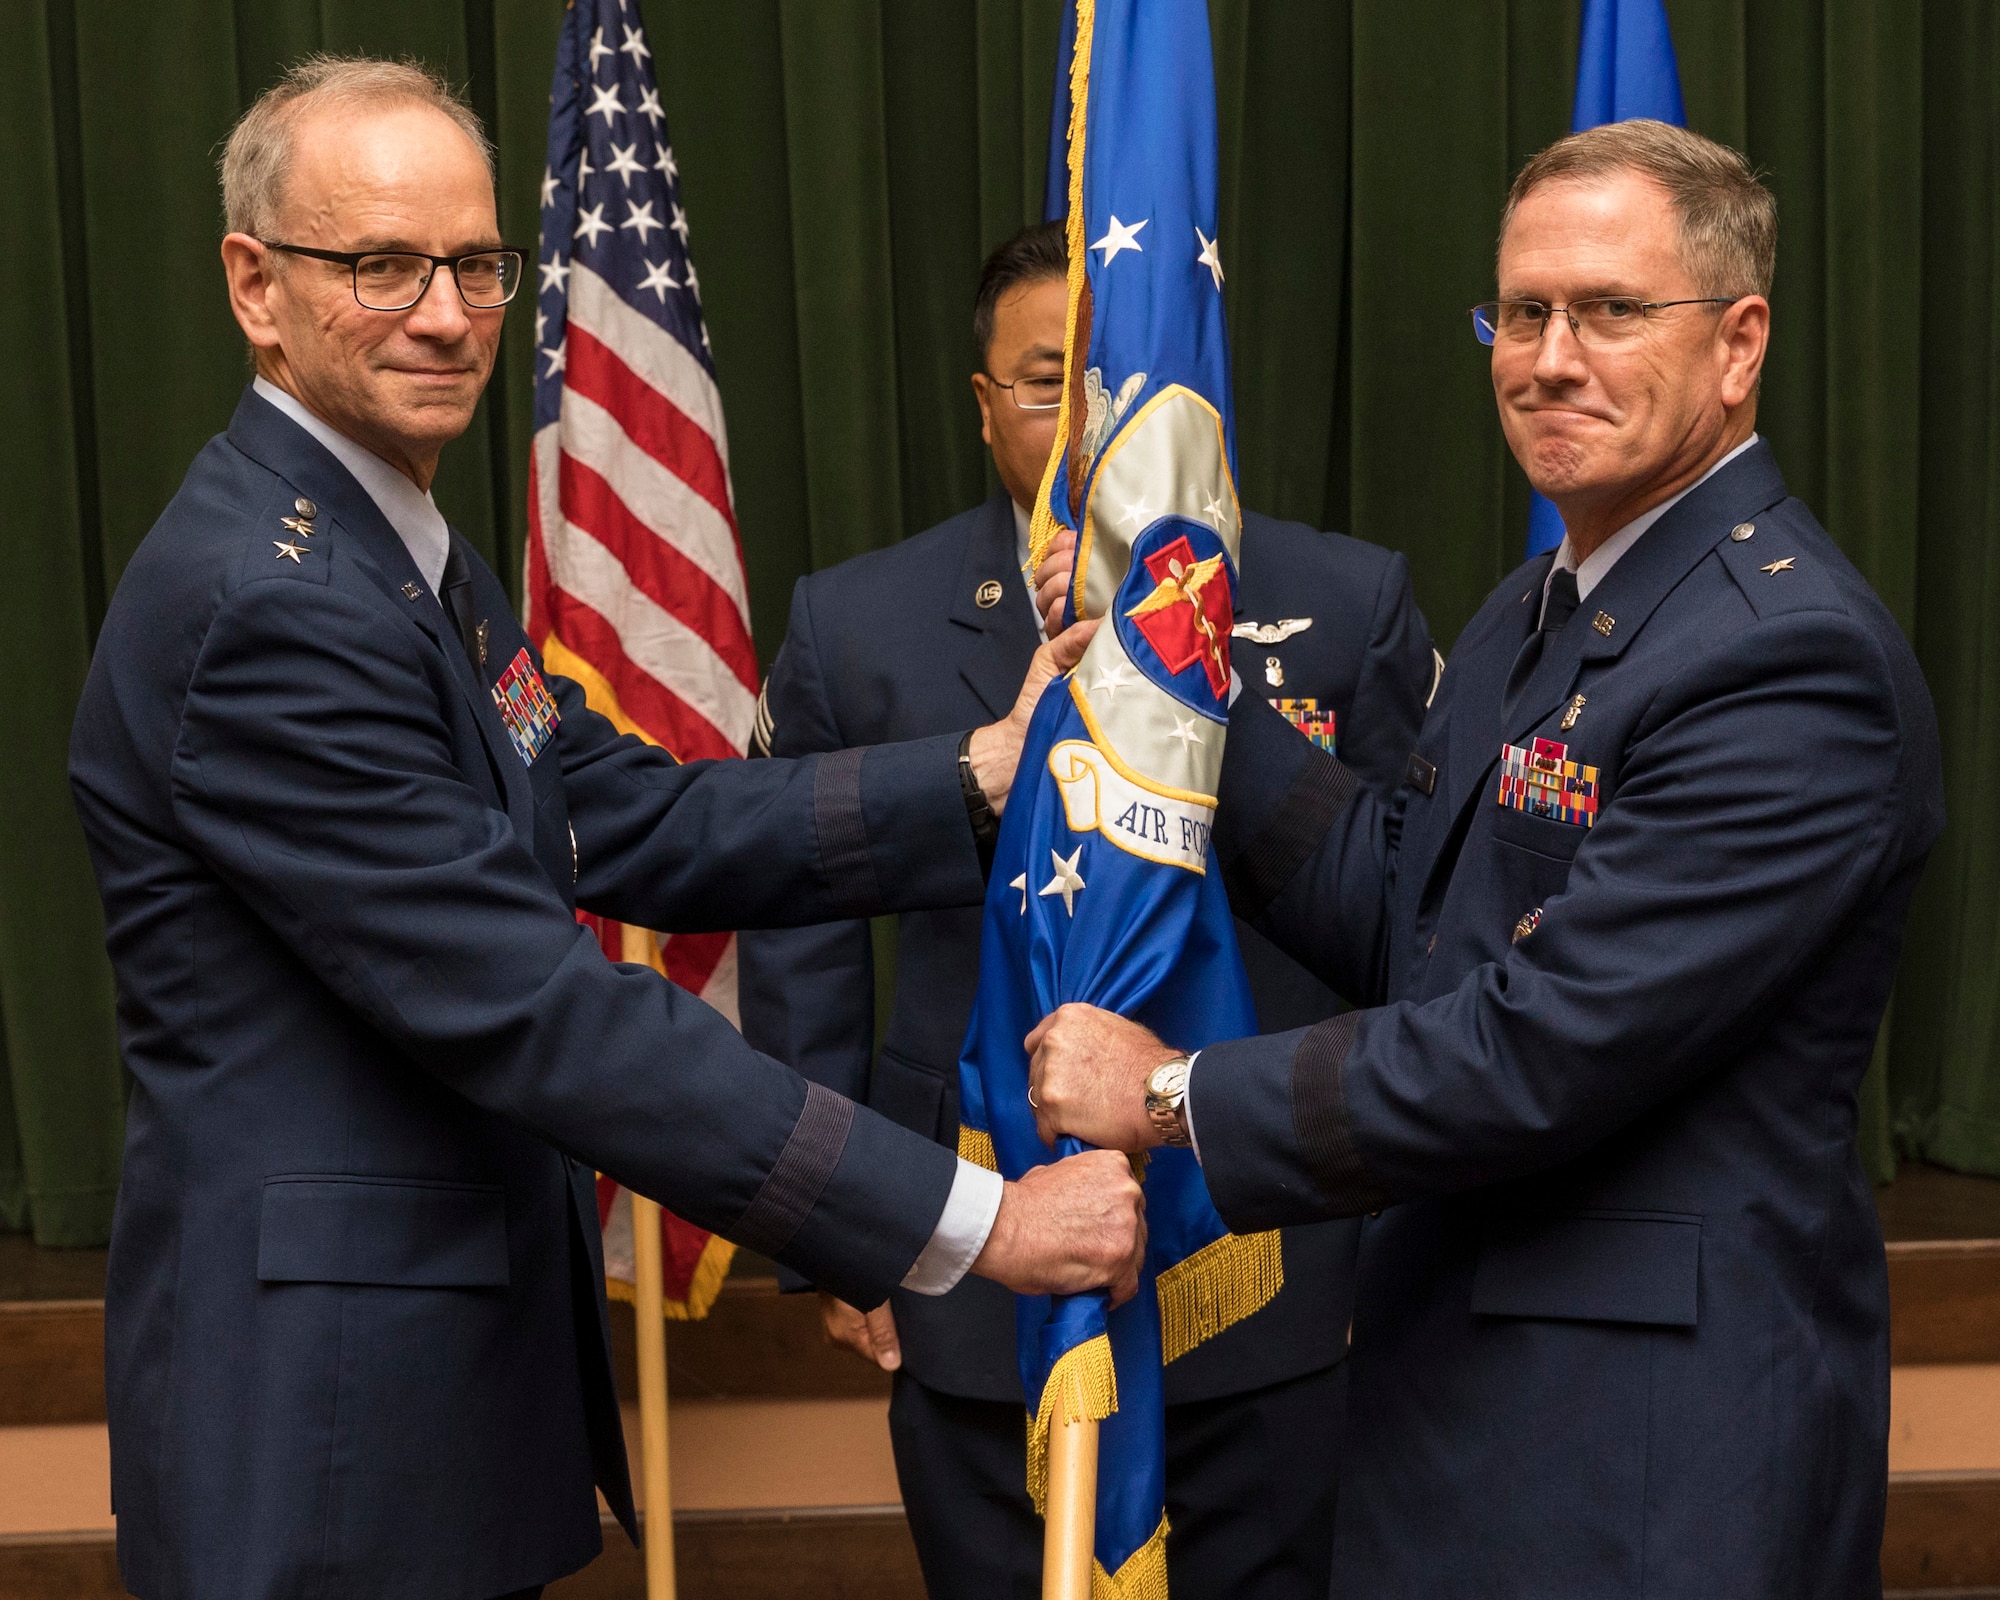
(1754, 815)
(1398, 669)
(808, 994)
(314, 772)
(1306, 849)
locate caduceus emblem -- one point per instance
(1180, 579)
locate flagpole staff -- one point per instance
(1069, 1534)
(649, 1293)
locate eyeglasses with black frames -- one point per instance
(1597, 322)
(1032, 394)
(395, 280)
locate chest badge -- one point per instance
(1530, 921)
(1542, 781)
(1270, 633)
(1317, 725)
(1274, 672)
(526, 707)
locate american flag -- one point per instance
(635, 584)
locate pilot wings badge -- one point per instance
(1271, 632)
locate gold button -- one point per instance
(1742, 531)
(988, 594)
(305, 508)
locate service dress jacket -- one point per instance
(1621, 1326)
(964, 630)
(356, 1340)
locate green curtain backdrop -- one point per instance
(846, 163)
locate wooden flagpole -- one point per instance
(1069, 1534)
(648, 1294)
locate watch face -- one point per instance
(1169, 1078)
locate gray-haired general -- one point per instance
(355, 1321)
(1625, 938)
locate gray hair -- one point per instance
(258, 156)
(1728, 219)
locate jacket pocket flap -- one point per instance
(1545, 836)
(1592, 1266)
(412, 1233)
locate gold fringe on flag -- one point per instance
(1088, 1385)
(1042, 525)
(1217, 1287)
(1143, 1575)
(976, 1146)
(703, 1286)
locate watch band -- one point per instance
(978, 809)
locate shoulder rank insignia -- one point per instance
(1542, 781)
(526, 707)
(1777, 567)
(1315, 724)
(1271, 632)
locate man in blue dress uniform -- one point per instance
(1622, 943)
(341, 821)
(1327, 631)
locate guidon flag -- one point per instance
(1105, 887)
(634, 575)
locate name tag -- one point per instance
(526, 707)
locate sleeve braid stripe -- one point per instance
(1320, 1119)
(1319, 791)
(800, 1176)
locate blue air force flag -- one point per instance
(1103, 887)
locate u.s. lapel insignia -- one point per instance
(1317, 725)
(988, 594)
(1269, 633)
(526, 707)
(412, 592)
(1777, 567)
(1274, 672)
(1604, 622)
(287, 548)
(1543, 782)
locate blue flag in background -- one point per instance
(1104, 886)
(1624, 68)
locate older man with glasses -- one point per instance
(341, 821)
(1624, 940)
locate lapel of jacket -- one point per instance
(1003, 636)
(1644, 576)
(272, 439)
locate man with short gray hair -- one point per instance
(341, 820)
(1624, 941)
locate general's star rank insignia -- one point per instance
(287, 548)
(526, 707)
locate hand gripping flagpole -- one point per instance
(649, 1293)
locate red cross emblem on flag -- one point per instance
(1187, 617)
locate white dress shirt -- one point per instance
(974, 1201)
(410, 510)
(1591, 570)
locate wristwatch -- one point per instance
(1166, 1093)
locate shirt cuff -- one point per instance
(1187, 1108)
(960, 1233)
